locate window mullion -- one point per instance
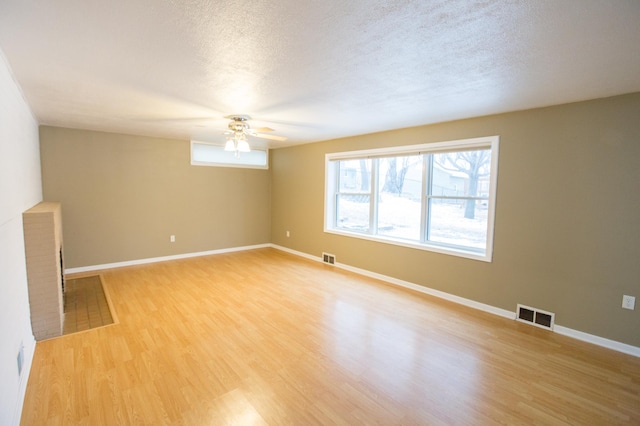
(427, 177)
(373, 198)
(336, 191)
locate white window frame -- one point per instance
(331, 189)
(228, 158)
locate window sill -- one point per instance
(483, 257)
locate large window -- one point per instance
(438, 196)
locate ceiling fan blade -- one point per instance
(263, 129)
(272, 137)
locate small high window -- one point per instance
(438, 196)
(208, 154)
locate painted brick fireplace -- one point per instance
(45, 272)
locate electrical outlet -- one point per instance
(628, 302)
(288, 234)
(172, 239)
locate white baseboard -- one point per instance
(161, 259)
(597, 340)
(29, 351)
(297, 253)
(406, 284)
(426, 290)
(590, 338)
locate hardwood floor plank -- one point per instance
(264, 337)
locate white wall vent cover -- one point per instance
(534, 316)
(329, 258)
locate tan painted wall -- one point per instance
(123, 196)
(567, 234)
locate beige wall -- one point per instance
(123, 196)
(567, 234)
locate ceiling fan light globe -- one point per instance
(229, 146)
(243, 146)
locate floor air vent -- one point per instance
(536, 317)
(329, 258)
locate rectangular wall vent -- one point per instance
(536, 317)
(329, 258)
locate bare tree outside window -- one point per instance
(475, 164)
(394, 178)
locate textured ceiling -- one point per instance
(312, 70)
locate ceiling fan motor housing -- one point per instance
(238, 124)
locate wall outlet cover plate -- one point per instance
(628, 302)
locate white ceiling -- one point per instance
(312, 70)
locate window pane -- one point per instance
(399, 200)
(353, 212)
(461, 174)
(355, 176)
(449, 225)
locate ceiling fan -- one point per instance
(239, 129)
(239, 124)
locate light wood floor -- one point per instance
(263, 337)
